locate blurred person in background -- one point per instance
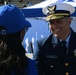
(13, 27)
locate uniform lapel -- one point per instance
(72, 43)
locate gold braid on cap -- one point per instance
(51, 9)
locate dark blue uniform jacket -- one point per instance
(51, 61)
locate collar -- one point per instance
(55, 40)
(67, 39)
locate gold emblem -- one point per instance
(66, 64)
(51, 9)
(66, 73)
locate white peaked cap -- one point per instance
(60, 6)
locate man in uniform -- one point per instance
(56, 54)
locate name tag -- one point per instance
(52, 56)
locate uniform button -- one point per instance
(66, 73)
(51, 66)
(66, 64)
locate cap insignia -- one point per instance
(51, 9)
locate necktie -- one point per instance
(64, 47)
(61, 48)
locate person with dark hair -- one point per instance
(13, 27)
(56, 54)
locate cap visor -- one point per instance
(55, 16)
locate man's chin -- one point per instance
(56, 35)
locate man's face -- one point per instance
(60, 27)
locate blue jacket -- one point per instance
(30, 70)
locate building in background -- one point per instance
(19, 3)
